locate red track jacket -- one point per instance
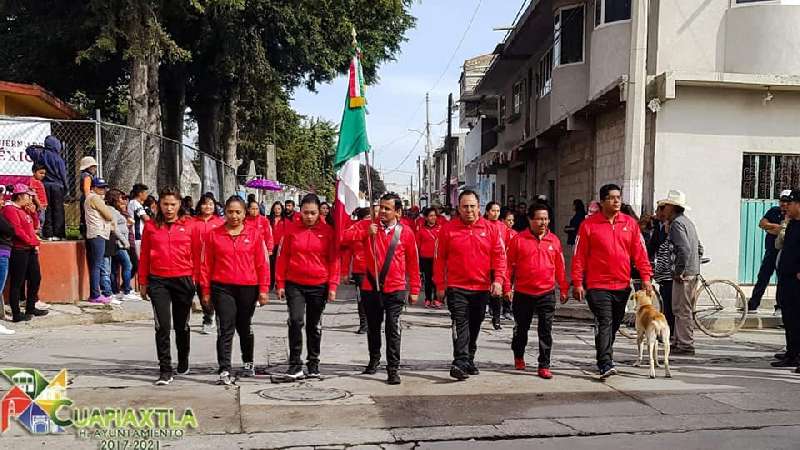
(307, 256)
(536, 265)
(239, 261)
(264, 228)
(405, 261)
(604, 251)
(169, 251)
(468, 255)
(24, 224)
(426, 239)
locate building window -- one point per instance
(544, 80)
(516, 99)
(568, 37)
(608, 11)
(501, 108)
(765, 176)
(739, 2)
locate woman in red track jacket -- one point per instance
(427, 234)
(167, 267)
(234, 275)
(307, 276)
(536, 265)
(205, 221)
(254, 218)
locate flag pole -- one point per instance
(369, 188)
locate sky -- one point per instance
(397, 100)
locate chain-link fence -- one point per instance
(125, 156)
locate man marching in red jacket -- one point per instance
(607, 243)
(470, 266)
(385, 292)
(536, 264)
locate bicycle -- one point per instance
(719, 307)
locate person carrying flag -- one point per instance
(390, 248)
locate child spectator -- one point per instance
(40, 199)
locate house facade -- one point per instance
(720, 115)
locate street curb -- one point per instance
(86, 314)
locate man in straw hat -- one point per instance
(687, 251)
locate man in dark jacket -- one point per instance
(55, 185)
(789, 285)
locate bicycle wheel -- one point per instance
(720, 308)
(628, 326)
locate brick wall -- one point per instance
(609, 162)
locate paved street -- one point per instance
(725, 396)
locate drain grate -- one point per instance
(304, 393)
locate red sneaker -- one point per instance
(437, 304)
(427, 303)
(519, 363)
(545, 373)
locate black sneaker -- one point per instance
(164, 379)
(362, 330)
(458, 373)
(248, 370)
(183, 367)
(372, 367)
(37, 312)
(781, 355)
(472, 370)
(607, 371)
(393, 377)
(21, 318)
(313, 370)
(295, 372)
(682, 351)
(496, 324)
(786, 362)
(225, 379)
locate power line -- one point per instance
(458, 46)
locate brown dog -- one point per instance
(653, 325)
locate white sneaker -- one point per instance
(42, 305)
(115, 301)
(133, 296)
(4, 330)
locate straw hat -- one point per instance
(86, 162)
(675, 197)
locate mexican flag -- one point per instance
(352, 143)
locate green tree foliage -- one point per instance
(307, 159)
(378, 186)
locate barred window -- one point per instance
(765, 176)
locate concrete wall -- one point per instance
(610, 49)
(570, 90)
(691, 35)
(763, 39)
(574, 176)
(609, 164)
(700, 139)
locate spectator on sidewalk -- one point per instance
(99, 226)
(521, 217)
(771, 224)
(88, 171)
(7, 236)
(789, 284)
(121, 260)
(55, 185)
(575, 222)
(24, 260)
(234, 277)
(205, 221)
(687, 251)
(167, 267)
(308, 275)
(40, 199)
(607, 243)
(188, 205)
(470, 266)
(536, 266)
(661, 257)
(390, 246)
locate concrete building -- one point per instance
(720, 108)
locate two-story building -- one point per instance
(721, 115)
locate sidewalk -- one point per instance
(84, 313)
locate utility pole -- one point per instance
(428, 158)
(411, 190)
(448, 146)
(419, 179)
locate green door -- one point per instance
(751, 239)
